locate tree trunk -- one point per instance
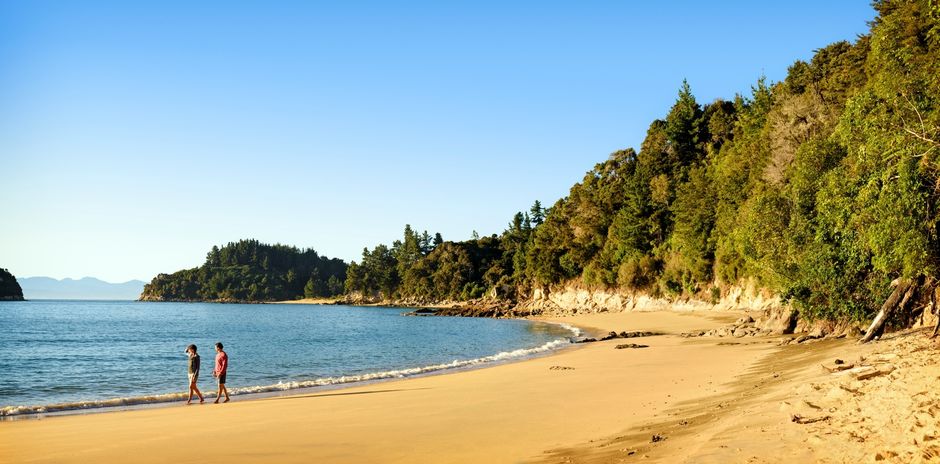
(934, 309)
(901, 294)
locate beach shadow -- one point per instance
(323, 395)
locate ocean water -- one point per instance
(62, 355)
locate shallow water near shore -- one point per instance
(62, 355)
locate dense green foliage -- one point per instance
(822, 188)
(248, 270)
(9, 287)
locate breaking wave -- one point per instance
(553, 345)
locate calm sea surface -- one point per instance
(97, 353)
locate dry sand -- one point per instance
(795, 405)
(710, 399)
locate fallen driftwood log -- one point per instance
(903, 290)
(838, 367)
(808, 420)
(933, 307)
(910, 298)
(869, 372)
(630, 345)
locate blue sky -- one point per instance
(134, 137)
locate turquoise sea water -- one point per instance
(85, 354)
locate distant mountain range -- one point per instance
(86, 288)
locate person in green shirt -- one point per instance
(193, 374)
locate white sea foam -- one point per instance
(284, 386)
(576, 332)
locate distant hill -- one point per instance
(9, 288)
(86, 288)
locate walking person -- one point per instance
(221, 368)
(193, 374)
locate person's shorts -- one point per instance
(222, 378)
(193, 378)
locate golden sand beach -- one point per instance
(678, 400)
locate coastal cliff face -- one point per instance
(573, 299)
(10, 289)
(770, 313)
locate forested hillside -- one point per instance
(822, 188)
(248, 270)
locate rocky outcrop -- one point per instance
(484, 308)
(746, 326)
(613, 335)
(10, 289)
(767, 313)
(358, 298)
(159, 299)
(778, 320)
(773, 315)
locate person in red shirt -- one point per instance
(221, 368)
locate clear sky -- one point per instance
(134, 137)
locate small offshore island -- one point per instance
(248, 271)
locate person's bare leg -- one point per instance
(218, 394)
(190, 400)
(225, 390)
(198, 393)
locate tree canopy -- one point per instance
(821, 188)
(249, 270)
